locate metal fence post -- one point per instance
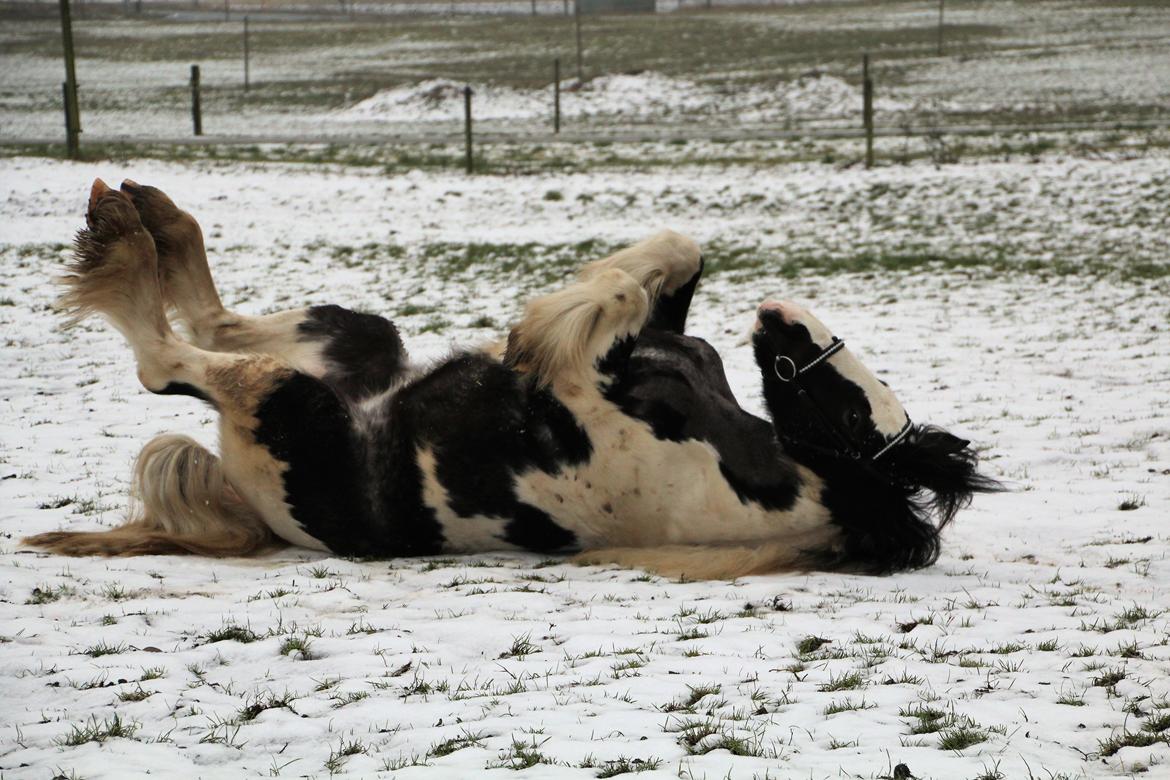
(196, 109)
(867, 109)
(467, 127)
(557, 95)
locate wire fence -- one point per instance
(351, 8)
(268, 75)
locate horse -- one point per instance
(598, 428)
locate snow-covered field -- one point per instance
(1036, 647)
(796, 64)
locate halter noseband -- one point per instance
(787, 371)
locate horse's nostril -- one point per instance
(770, 316)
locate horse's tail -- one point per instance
(708, 562)
(182, 503)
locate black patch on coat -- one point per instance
(485, 424)
(303, 423)
(358, 488)
(670, 313)
(676, 384)
(365, 352)
(182, 388)
(534, 530)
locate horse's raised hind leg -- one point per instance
(115, 274)
(199, 505)
(184, 274)
(357, 354)
(668, 266)
(185, 504)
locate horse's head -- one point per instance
(830, 409)
(817, 391)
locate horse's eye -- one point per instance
(853, 418)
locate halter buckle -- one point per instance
(784, 360)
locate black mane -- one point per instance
(893, 511)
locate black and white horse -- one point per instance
(600, 429)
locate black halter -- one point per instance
(787, 371)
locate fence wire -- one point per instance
(335, 71)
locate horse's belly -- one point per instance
(639, 491)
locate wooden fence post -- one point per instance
(867, 109)
(557, 95)
(72, 112)
(577, 17)
(70, 136)
(467, 128)
(196, 108)
(940, 27)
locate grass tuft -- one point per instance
(94, 730)
(231, 633)
(844, 682)
(961, 737)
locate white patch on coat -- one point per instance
(887, 412)
(461, 534)
(259, 479)
(640, 491)
(270, 334)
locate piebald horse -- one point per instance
(599, 428)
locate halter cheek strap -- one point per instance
(786, 371)
(898, 438)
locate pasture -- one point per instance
(1039, 637)
(729, 71)
(1011, 287)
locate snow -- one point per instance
(1046, 594)
(647, 95)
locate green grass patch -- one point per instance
(232, 633)
(94, 730)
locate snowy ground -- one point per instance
(1036, 647)
(640, 96)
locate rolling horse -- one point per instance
(599, 428)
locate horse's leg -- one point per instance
(565, 337)
(668, 265)
(358, 354)
(115, 275)
(184, 274)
